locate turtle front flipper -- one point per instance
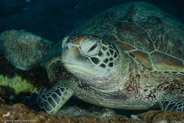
(50, 100)
(173, 103)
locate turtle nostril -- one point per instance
(68, 45)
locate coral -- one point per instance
(18, 83)
(23, 49)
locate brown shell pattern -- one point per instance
(145, 32)
(155, 53)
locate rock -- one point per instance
(159, 115)
(20, 113)
(15, 84)
(23, 49)
(93, 111)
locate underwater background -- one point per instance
(54, 19)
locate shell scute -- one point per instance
(125, 46)
(163, 61)
(165, 34)
(168, 43)
(143, 58)
(135, 35)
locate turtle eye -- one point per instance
(90, 46)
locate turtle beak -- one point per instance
(73, 61)
(72, 58)
(70, 54)
(70, 51)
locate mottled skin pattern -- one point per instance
(154, 44)
(130, 56)
(138, 87)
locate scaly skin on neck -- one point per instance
(125, 94)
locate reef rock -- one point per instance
(23, 49)
(94, 111)
(20, 113)
(156, 116)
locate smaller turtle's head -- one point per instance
(92, 60)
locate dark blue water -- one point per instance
(53, 19)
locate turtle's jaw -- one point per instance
(77, 69)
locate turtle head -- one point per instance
(92, 60)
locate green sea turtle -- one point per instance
(128, 57)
